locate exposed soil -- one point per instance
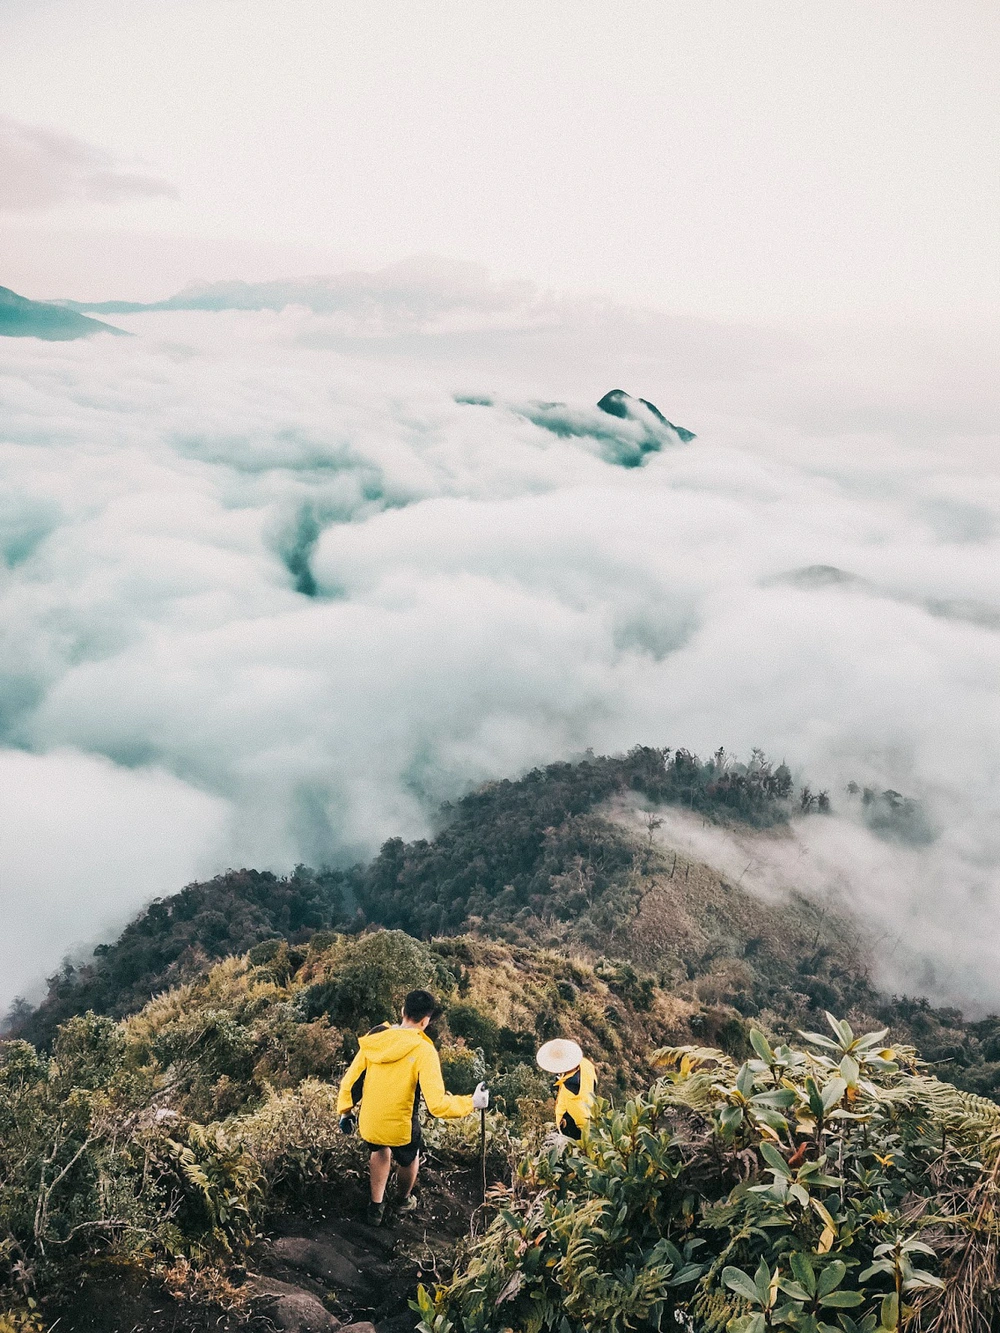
(316, 1272)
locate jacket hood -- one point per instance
(391, 1044)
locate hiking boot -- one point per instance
(375, 1213)
(408, 1204)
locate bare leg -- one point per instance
(407, 1176)
(378, 1171)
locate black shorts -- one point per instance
(404, 1154)
(569, 1127)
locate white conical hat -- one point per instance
(559, 1056)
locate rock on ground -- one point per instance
(292, 1309)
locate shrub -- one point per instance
(475, 1028)
(828, 1189)
(368, 978)
(462, 1069)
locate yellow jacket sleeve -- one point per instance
(445, 1105)
(345, 1099)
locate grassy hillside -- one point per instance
(169, 1151)
(177, 939)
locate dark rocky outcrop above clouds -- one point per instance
(21, 318)
(618, 403)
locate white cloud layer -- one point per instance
(271, 555)
(83, 845)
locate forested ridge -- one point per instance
(533, 860)
(497, 858)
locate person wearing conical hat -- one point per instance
(576, 1079)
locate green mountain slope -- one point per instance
(21, 318)
(525, 860)
(543, 861)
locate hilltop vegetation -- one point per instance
(176, 939)
(507, 858)
(144, 1160)
(173, 1100)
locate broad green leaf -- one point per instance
(671, 1251)
(842, 1300)
(918, 1277)
(803, 1270)
(815, 1097)
(841, 1030)
(871, 1039)
(743, 1284)
(731, 1117)
(817, 1039)
(762, 1281)
(850, 1070)
(784, 1097)
(832, 1276)
(790, 1314)
(744, 1080)
(884, 1066)
(774, 1159)
(760, 1044)
(774, 1119)
(747, 1323)
(833, 1093)
(689, 1273)
(795, 1290)
(914, 1246)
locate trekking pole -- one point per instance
(482, 1150)
(479, 1072)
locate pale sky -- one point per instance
(769, 161)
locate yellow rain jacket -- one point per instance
(392, 1069)
(575, 1097)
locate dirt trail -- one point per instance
(333, 1267)
(315, 1272)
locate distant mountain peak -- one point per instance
(23, 318)
(618, 403)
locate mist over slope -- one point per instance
(270, 557)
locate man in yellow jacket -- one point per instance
(575, 1083)
(393, 1068)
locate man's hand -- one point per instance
(481, 1097)
(347, 1124)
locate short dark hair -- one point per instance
(420, 1004)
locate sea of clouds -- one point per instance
(275, 583)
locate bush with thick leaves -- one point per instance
(833, 1188)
